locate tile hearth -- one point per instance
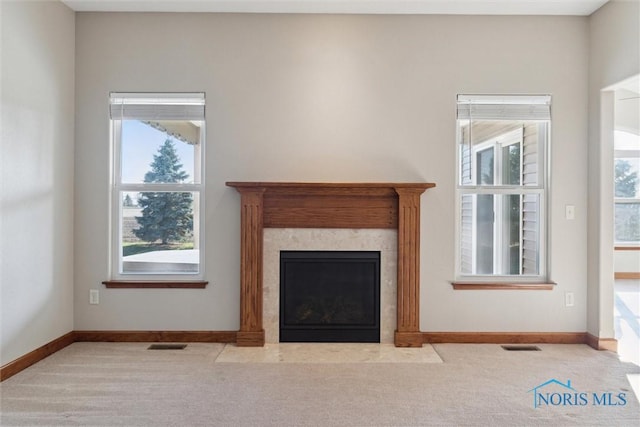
(327, 353)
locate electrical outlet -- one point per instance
(570, 212)
(568, 299)
(94, 296)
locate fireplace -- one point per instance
(329, 296)
(330, 205)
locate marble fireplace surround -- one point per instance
(323, 239)
(349, 206)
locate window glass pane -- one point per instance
(158, 234)
(467, 228)
(485, 167)
(530, 240)
(627, 177)
(511, 171)
(464, 152)
(627, 219)
(160, 152)
(519, 144)
(512, 227)
(484, 234)
(500, 234)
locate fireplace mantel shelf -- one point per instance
(330, 205)
(274, 186)
(327, 189)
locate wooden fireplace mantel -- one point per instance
(330, 205)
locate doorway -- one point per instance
(626, 216)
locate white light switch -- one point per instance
(570, 212)
(568, 299)
(94, 296)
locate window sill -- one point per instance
(627, 248)
(473, 286)
(155, 284)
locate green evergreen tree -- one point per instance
(128, 202)
(166, 216)
(627, 215)
(625, 180)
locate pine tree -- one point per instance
(166, 216)
(625, 180)
(128, 202)
(626, 214)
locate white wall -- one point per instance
(614, 55)
(36, 219)
(331, 98)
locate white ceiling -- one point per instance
(455, 7)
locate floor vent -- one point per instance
(521, 348)
(167, 347)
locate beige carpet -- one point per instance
(90, 384)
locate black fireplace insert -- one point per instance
(329, 296)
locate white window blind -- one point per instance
(148, 106)
(498, 107)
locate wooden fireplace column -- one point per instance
(330, 205)
(407, 332)
(251, 333)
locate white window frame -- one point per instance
(541, 189)
(141, 106)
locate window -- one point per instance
(158, 185)
(627, 188)
(501, 194)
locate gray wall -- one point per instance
(36, 175)
(614, 55)
(331, 98)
